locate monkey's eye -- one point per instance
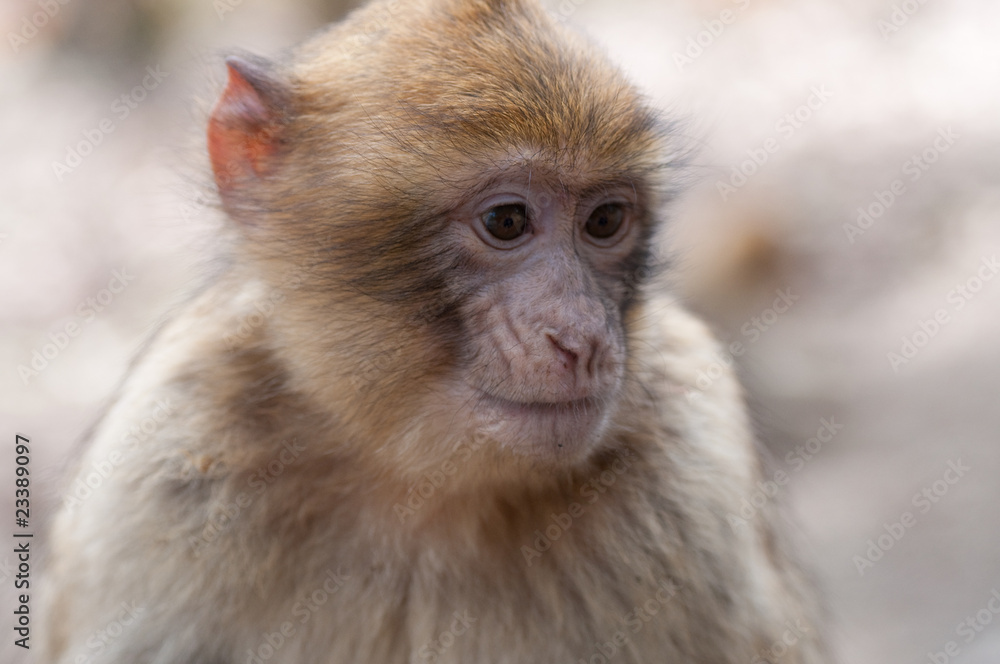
(605, 220)
(506, 222)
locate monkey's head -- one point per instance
(461, 194)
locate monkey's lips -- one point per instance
(543, 408)
(546, 428)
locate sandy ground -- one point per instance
(868, 344)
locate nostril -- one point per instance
(569, 356)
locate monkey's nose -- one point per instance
(569, 357)
(576, 353)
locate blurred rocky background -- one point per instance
(840, 229)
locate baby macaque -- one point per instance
(432, 410)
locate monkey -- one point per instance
(431, 407)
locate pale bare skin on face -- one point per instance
(546, 340)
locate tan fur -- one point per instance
(335, 398)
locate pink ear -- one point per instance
(243, 130)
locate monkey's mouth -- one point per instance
(549, 429)
(577, 407)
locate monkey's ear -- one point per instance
(245, 127)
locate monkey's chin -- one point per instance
(561, 431)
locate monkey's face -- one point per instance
(544, 362)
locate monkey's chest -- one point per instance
(558, 607)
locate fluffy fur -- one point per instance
(307, 451)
